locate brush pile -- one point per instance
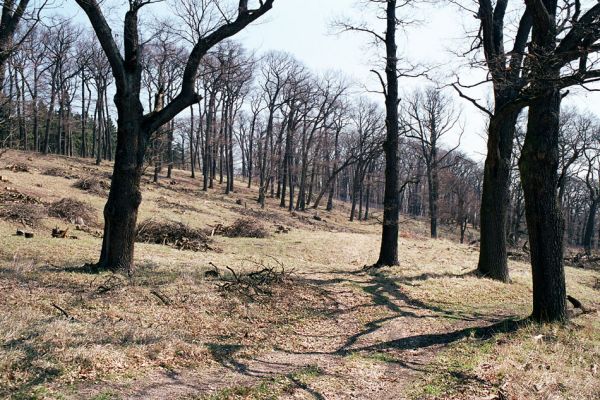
(59, 172)
(92, 185)
(73, 211)
(21, 208)
(244, 227)
(23, 213)
(18, 167)
(174, 234)
(257, 283)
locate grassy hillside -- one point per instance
(321, 329)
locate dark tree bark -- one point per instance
(505, 69)
(495, 199)
(388, 254)
(134, 128)
(539, 172)
(588, 234)
(538, 166)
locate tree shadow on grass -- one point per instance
(40, 373)
(224, 354)
(385, 291)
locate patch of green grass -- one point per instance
(270, 389)
(432, 390)
(304, 374)
(108, 395)
(266, 390)
(454, 369)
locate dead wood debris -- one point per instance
(59, 172)
(27, 235)
(583, 260)
(11, 195)
(111, 283)
(242, 227)
(92, 185)
(162, 297)
(26, 214)
(64, 312)
(178, 208)
(62, 233)
(577, 304)
(257, 283)
(18, 167)
(282, 229)
(173, 234)
(73, 211)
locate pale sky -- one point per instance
(304, 29)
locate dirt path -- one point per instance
(374, 344)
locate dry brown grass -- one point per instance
(411, 331)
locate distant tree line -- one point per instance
(301, 138)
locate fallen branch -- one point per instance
(165, 300)
(577, 304)
(63, 312)
(254, 283)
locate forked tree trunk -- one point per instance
(538, 166)
(495, 199)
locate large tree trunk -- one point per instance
(388, 254)
(120, 212)
(495, 199)
(538, 166)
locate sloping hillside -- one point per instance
(306, 325)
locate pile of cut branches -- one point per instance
(173, 234)
(243, 227)
(18, 167)
(21, 208)
(92, 185)
(257, 283)
(59, 172)
(73, 211)
(14, 196)
(582, 260)
(27, 214)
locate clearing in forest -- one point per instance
(285, 313)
